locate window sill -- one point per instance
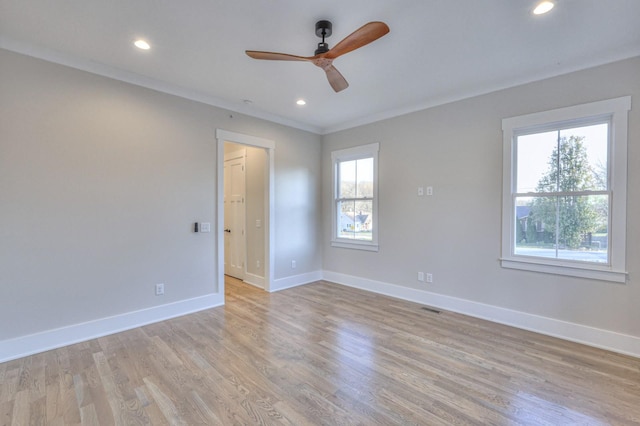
(355, 245)
(596, 273)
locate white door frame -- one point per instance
(269, 146)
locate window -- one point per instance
(564, 190)
(355, 190)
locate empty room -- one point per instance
(319, 213)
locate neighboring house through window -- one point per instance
(564, 193)
(355, 189)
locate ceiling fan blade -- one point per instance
(336, 80)
(275, 56)
(360, 37)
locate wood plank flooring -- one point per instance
(321, 354)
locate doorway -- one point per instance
(263, 224)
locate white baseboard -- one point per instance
(295, 280)
(56, 338)
(254, 280)
(604, 339)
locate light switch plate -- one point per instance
(205, 227)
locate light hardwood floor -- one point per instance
(321, 354)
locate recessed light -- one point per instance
(543, 7)
(301, 102)
(141, 44)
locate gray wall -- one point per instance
(455, 234)
(100, 183)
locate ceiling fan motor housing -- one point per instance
(322, 48)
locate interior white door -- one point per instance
(234, 214)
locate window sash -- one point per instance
(585, 258)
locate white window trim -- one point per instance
(355, 153)
(615, 271)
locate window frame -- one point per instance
(350, 154)
(616, 110)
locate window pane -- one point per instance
(568, 160)
(534, 154)
(568, 227)
(355, 219)
(583, 159)
(582, 228)
(535, 226)
(346, 219)
(347, 175)
(364, 173)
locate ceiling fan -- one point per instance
(324, 56)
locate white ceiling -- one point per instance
(437, 51)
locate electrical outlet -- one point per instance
(257, 264)
(159, 289)
(429, 190)
(429, 277)
(420, 276)
(420, 191)
(293, 264)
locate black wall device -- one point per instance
(196, 227)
